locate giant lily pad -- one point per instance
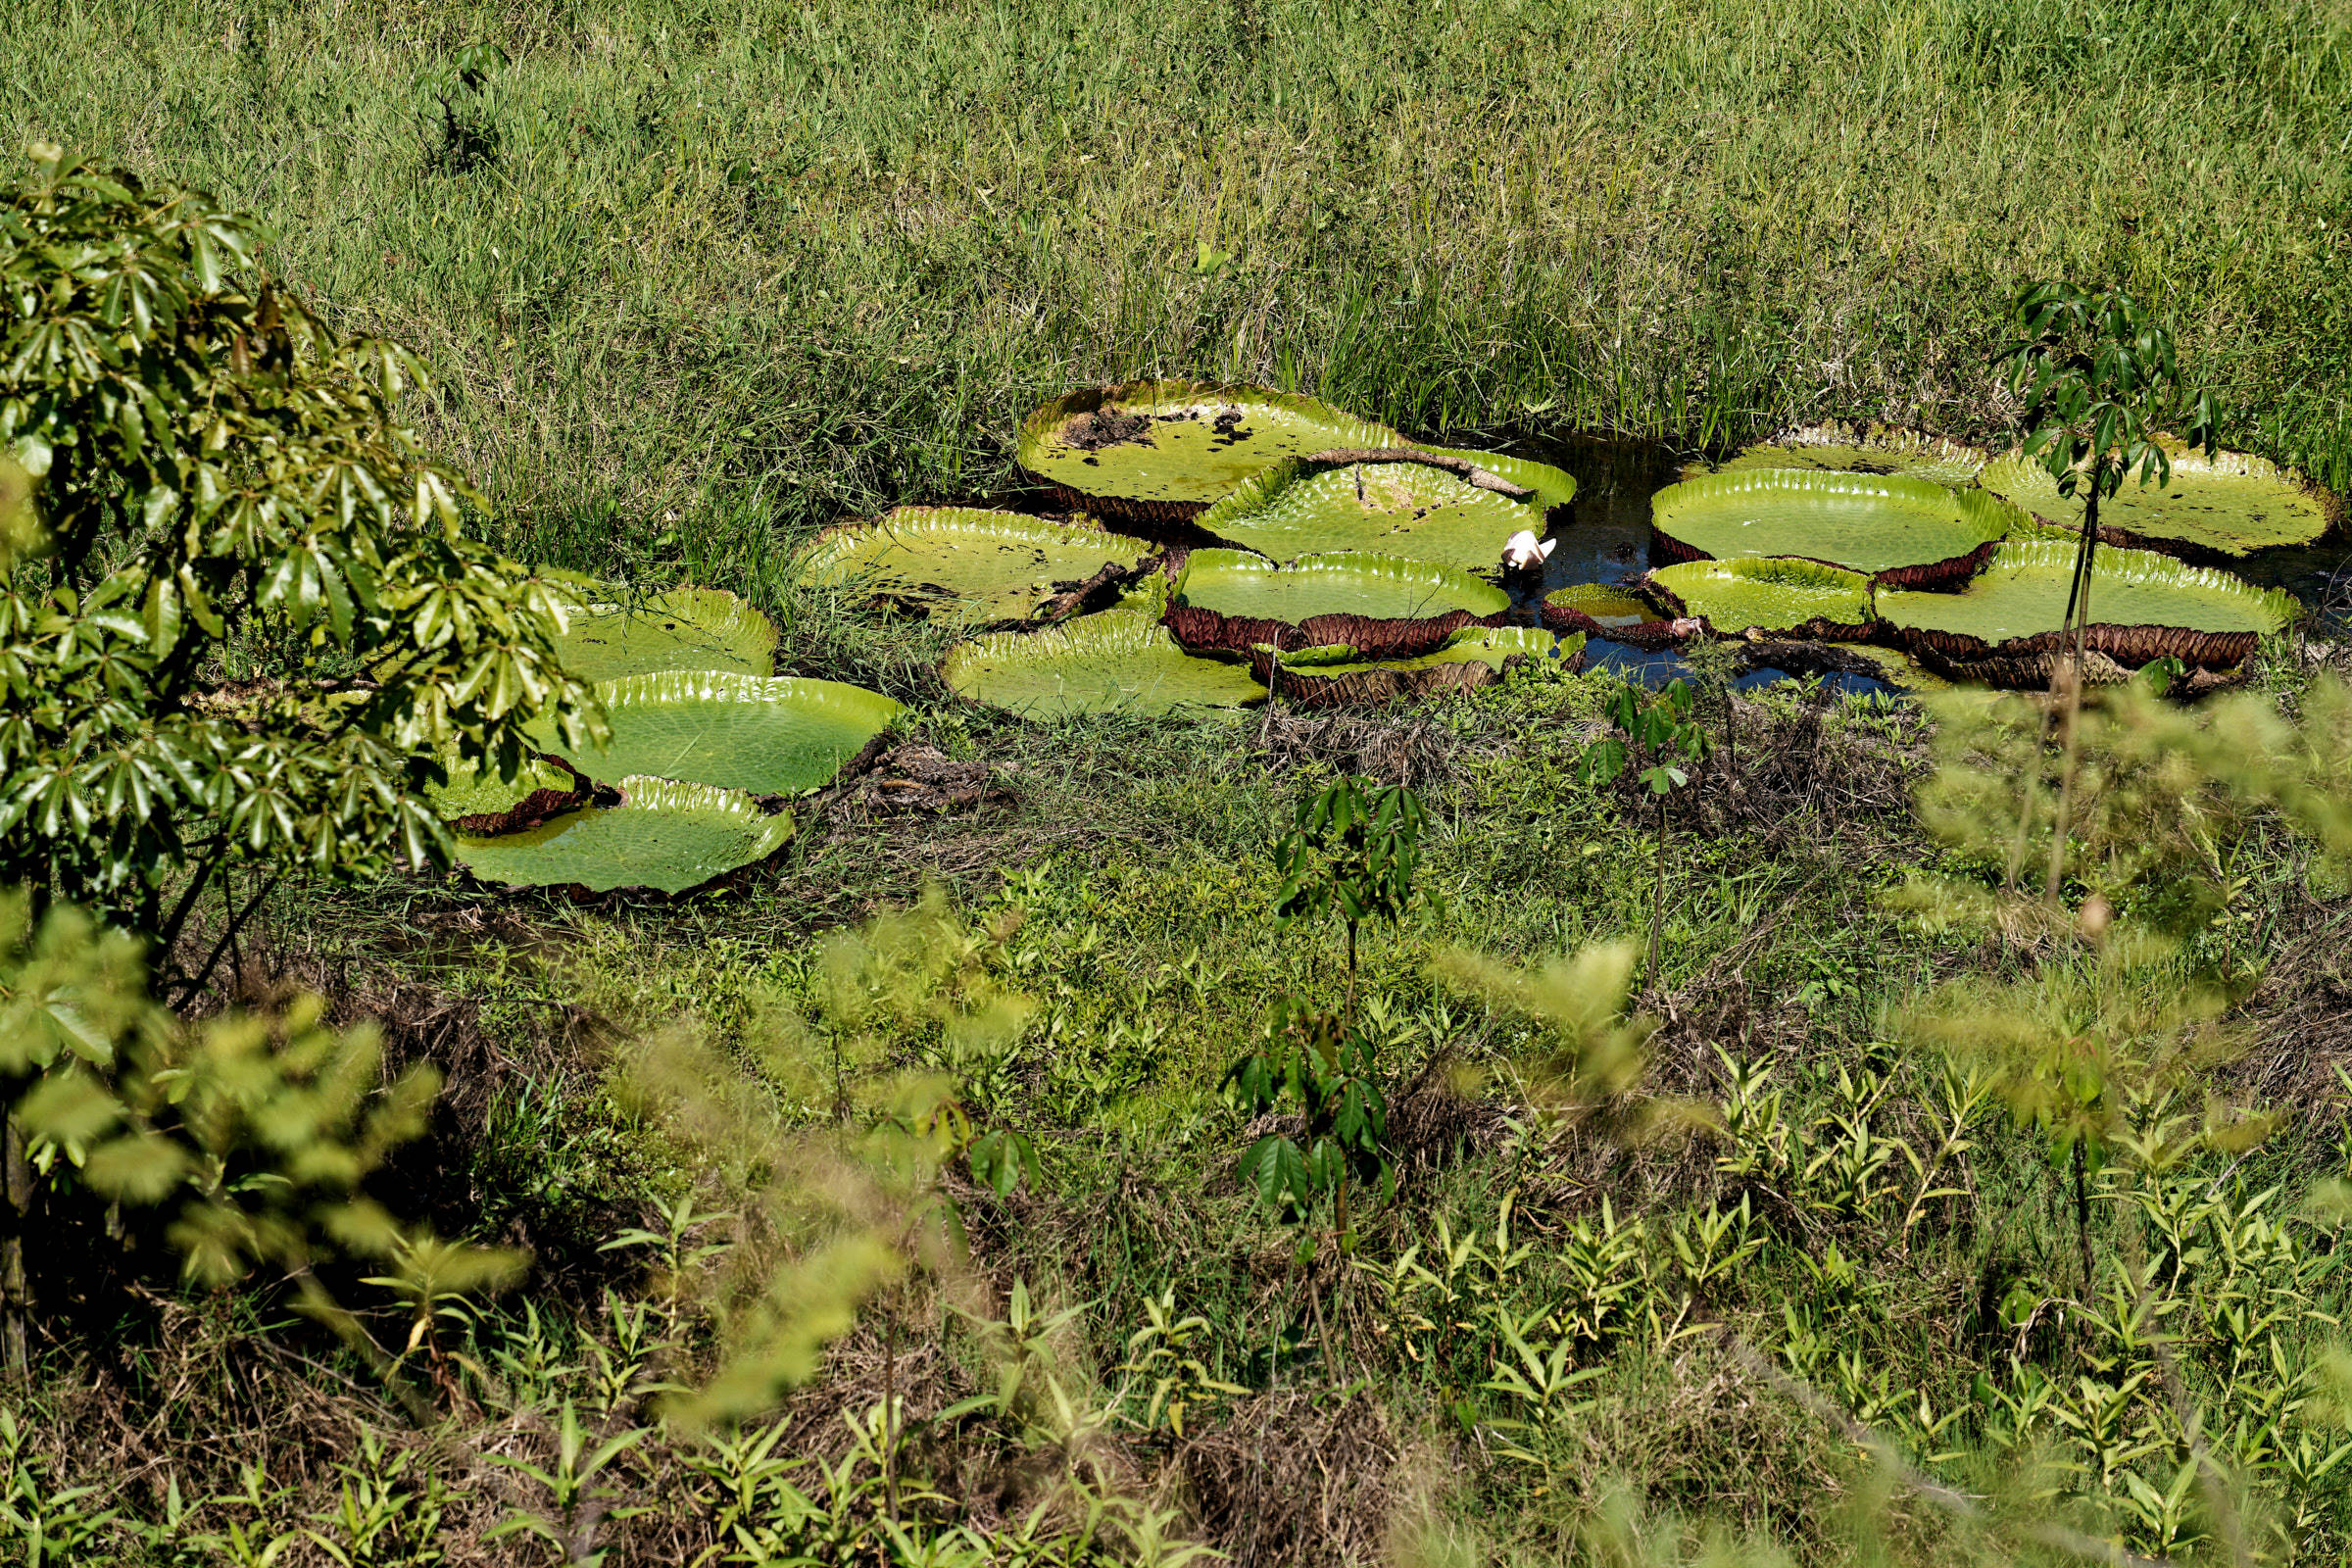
(1777, 594)
(478, 801)
(1340, 676)
(1546, 486)
(1902, 532)
(1600, 609)
(1231, 600)
(982, 565)
(770, 735)
(1397, 506)
(1875, 449)
(1167, 450)
(684, 629)
(2144, 605)
(664, 835)
(2227, 504)
(1119, 661)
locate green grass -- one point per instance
(699, 275)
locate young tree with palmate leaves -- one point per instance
(1352, 849)
(216, 475)
(2100, 380)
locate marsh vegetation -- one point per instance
(841, 1012)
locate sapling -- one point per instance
(2100, 379)
(1664, 731)
(1352, 847)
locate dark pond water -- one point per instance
(1605, 538)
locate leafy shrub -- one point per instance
(222, 487)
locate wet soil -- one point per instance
(1106, 427)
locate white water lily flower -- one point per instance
(1521, 552)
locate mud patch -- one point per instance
(1106, 427)
(919, 780)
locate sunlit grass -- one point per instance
(699, 275)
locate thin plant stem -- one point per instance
(1657, 897)
(2083, 1218)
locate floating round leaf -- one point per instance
(1768, 594)
(770, 735)
(1119, 661)
(1902, 532)
(1546, 486)
(476, 798)
(2227, 504)
(664, 835)
(1232, 600)
(981, 565)
(684, 629)
(1875, 449)
(1397, 506)
(1601, 609)
(1337, 676)
(1167, 450)
(2144, 605)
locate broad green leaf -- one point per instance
(1117, 660)
(771, 735)
(982, 565)
(663, 836)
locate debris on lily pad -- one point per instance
(1167, 450)
(665, 837)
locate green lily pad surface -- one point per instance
(474, 789)
(1119, 661)
(665, 835)
(1767, 594)
(1611, 608)
(1233, 582)
(2230, 504)
(1864, 523)
(1395, 509)
(1167, 449)
(981, 565)
(770, 735)
(1489, 645)
(1844, 449)
(1552, 487)
(2022, 593)
(684, 629)
(1173, 447)
(1335, 676)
